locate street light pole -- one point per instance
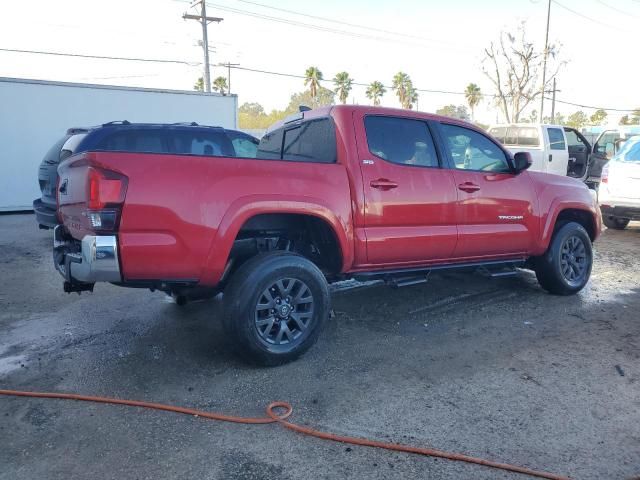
(544, 62)
(204, 20)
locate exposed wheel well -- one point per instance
(307, 235)
(582, 217)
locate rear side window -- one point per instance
(556, 139)
(139, 141)
(270, 147)
(400, 140)
(71, 145)
(515, 135)
(203, 143)
(245, 146)
(311, 141)
(52, 156)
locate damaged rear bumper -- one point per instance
(83, 263)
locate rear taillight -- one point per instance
(105, 195)
(604, 178)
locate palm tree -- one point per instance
(199, 85)
(343, 82)
(412, 97)
(474, 97)
(375, 91)
(313, 77)
(220, 85)
(401, 84)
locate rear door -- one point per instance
(494, 210)
(409, 196)
(557, 153)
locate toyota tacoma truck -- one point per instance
(332, 193)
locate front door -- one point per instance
(495, 206)
(409, 198)
(579, 152)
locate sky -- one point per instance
(439, 44)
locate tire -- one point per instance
(615, 223)
(565, 268)
(275, 306)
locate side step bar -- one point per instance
(415, 276)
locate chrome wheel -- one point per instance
(573, 260)
(284, 312)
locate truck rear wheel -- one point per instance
(615, 222)
(566, 266)
(275, 306)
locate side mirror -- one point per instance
(522, 161)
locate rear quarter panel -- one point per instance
(182, 213)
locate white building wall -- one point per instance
(34, 114)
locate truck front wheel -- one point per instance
(565, 268)
(275, 307)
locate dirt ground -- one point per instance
(492, 368)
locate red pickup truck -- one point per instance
(331, 193)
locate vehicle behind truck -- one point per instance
(329, 194)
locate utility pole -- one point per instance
(204, 20)
(228, 65)
(544, 61)
(553, 102)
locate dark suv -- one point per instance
(123, 136)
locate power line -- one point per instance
(340, 22)
(623, 12)
(101, 57)
(448, 92)
(595, 108)
(585, 16)
(325, 28)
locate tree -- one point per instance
(254, 109)
(375, 91)
(513, 65)
(312, 78)
(625, 120)
(412, 97)
(578, 119)
(199, 85)
(220, 85)
(474, 96)
(342, 82)
(599, 117)
(635, 117)
(403, 87)
(454, 111)
(324, 97)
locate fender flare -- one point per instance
(246, 207)
(557, 206)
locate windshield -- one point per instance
(630, 151)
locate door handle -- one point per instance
(383, 184)
(468, 187)
(550, 157)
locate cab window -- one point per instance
(556, 139)
(400, 140)
(471, 150)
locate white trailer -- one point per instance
(34, 114)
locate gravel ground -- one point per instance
(491, 368)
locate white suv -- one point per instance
(619, 191)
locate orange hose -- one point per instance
(281, 418)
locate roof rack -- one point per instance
(117, 122)
(191, 124)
